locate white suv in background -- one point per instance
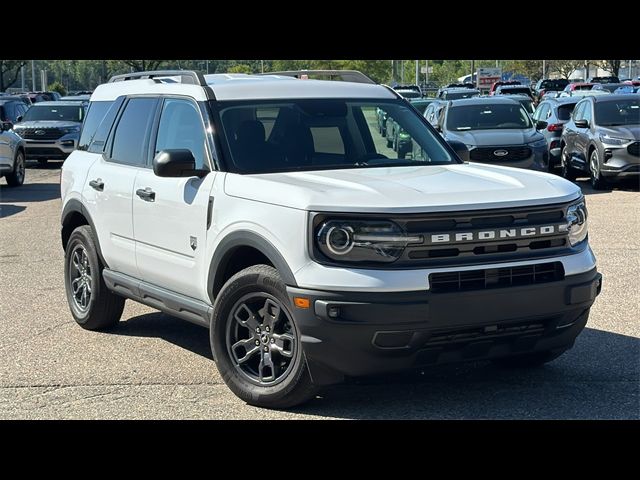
(269, 210)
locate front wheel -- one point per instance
(16, 178)
(256, 343)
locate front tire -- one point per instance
(16, 178)
(255, 341)
(598, 182)
(92, 304)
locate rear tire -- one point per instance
(598, 182)
(255, 342)
(16, 178)
(568, 171)
(529, 360)
(92, 304)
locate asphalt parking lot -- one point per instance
(155, 366)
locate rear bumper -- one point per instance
(363, 333)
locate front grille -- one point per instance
(496, 277)
(485, 332)
(488, 154)
(34, 133)
(634, 149)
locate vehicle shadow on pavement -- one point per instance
(626, 186)
(597, 379)
(173, 330)
(30, 192)
(8, 210)
(50, 165)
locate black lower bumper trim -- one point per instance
(361, 333)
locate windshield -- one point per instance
(299, 135)
(528, 105)
(487, 117)
(409, 93)
(516, 90)
(618, 112)
(64, 113)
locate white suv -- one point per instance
(269, 210)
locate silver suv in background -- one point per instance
(51, 129)
(11, 156)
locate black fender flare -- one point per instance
(75, 206)
(246, 238)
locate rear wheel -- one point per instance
(256, 343)
(568, 171)
(16, 178)
(598, 182)
(92, 305)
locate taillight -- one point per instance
(554, 127)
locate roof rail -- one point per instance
(342, 75)
(186, 76)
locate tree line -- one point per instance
(69, 75)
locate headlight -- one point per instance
(614, 140)
(538, 143)
(71, 129)
(577, 223)
(362, 241)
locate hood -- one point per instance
(47, 124)
(495, 138)
(622, 131)
(404, 189)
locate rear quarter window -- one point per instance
(95, 115)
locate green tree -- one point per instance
(58, 87)
(239, 68)
(9, 71)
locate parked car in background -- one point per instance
(546, 84)
(578, 86)
(496, 130)
(381, 119)
(457, 93)
(12, 109)
(603, 139)
(23, 97)
(499, 84)
(432, 112)
(421, 104)
(526, 101)
(51, 129)
(12, 155)
(550, 117)
(36, 97)
(76, 98)
(583, 93)
(408, 91)
(80, 92)
(627, 89)
(513, 90)
(609, 79)
(635, 83)
(397, 138)
(610, 87)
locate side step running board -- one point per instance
(181, 306)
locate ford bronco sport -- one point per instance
(270, 211)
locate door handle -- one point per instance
(97, 184)
(146, 194)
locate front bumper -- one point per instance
(363, 333)
(5, 169)
(619, 163)
(50, 149)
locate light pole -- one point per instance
(473, 69)
(630, 69)
(426, 70)
(33, 75)
(417, 72)
(544, 68)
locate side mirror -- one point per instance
(6, 126)
(460, 148)
(178, 162)
(18, 118)
(582, 123)
(541, 124)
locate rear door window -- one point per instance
(131, 136)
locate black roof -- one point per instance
(483, 100)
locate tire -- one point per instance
(383, 130)
(598, 182)
(528, 360)
(16, 178)
(568, 171)
(240, 319)
(102, 309)
(389, 142)
(43, 161)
